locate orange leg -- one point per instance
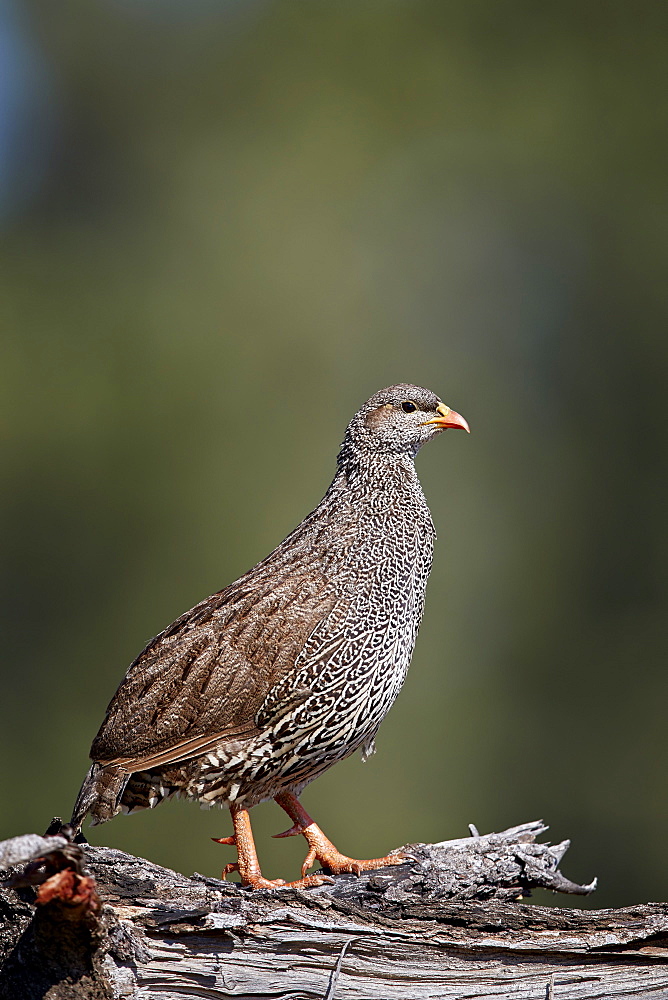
(321, 848)
(248, 865)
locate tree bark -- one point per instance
(449, 923)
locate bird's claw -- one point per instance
(308, 861)
(309, 881)
(233, 866)
(294, 831)
(340, 864)
(257, 881)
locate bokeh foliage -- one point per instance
(225, 225)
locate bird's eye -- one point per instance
(408, 407)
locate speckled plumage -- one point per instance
(263, 686)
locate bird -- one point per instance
(263, 686)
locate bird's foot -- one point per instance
(322, 849)
(256, 880)
(336, 863)
(250, 873)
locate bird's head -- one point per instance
(399, 420)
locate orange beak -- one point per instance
(448, 418)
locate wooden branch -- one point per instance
(446, 924)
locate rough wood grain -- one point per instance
(447, 924)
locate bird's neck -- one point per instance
(376, 477)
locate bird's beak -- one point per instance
(447, 418)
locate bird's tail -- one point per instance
(100, 794)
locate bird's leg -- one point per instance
(321, 848)
(248, 865)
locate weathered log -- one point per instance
(448, 923)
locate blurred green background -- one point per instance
(224, 225)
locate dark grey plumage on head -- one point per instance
(266, 684)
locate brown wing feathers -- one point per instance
(204, 678)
